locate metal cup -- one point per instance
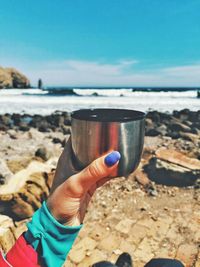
(98, 131)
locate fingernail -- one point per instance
(112, 158)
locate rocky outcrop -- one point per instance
(56, 122)
(10, 231)
(12, 78)
(25, 191)
(173, 168)
(20, 197)
(184, 124)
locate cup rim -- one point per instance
(108, 115)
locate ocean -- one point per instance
(37, 101)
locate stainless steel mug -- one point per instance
(98, 131)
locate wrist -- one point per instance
(55, 208)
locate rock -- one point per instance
(175, 114)
(149, 123)
(25, 191)
(6, 236)
(18, 79)
(64, 142)
(152, 132)
(55, 119)
(66, 129)
(10, 231)
(57, 140)
(153, 193)
(141, 178)
(67, 121)
(44, 127)
(35, 134)
(6, 120)
(197, 184)
(154, 116)
(190, 136)
(186, 114)
(178, 158)
(196, 125)
(11, 78)
(7, 239)
(188, 123)
(12, 133)
(5, 172)
(19, 228)
(3, 127)
(151, 190)
(174, 135)
(42, 153)
(6, 221)
(185, 111)
(24, 127)
(18, 164)
(178, 126)
(194, 116)
(16, 119)
(167, 173)
(162, 129)
(40, 123)
(36, 121)
(5, 79)
(2, 179)
(195, 131)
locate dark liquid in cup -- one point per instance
(108, 115)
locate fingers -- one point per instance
(98, 169)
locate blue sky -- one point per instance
(107, 42)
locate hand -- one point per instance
(71, 190)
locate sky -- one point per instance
(102, 43)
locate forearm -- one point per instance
(46, 242)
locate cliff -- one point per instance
(12, 78)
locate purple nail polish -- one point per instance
(112, 158)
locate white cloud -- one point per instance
(77, 72)
(128, 62)
(187, 71)
(93, 67)
(122, 73)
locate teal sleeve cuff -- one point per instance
(51, 239)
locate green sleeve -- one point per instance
(49, 238)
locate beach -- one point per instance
(58, 58)
(152, 213)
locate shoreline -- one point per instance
(175, 124)
(180, 129)
(37, 101)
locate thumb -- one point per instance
(97, 170)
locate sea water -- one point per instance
(36, 101)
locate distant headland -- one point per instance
(12, 78)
